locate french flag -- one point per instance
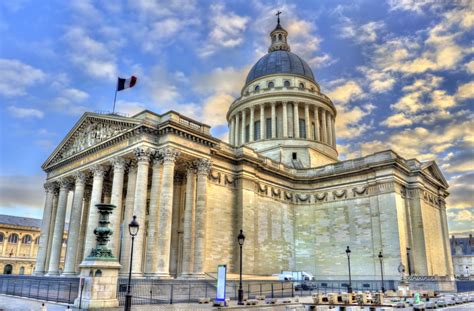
(123, 84)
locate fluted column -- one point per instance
(45, 225)
(93, 221)
(316, 124)
(296, 120)
(58, 233)
(175, 223)
(251, 125)
(333, 128)
(127, 217)
(237, 132)
(328, 129)
(141, 191)
(307, 123)
(82, 235)
(188, 230)
(151, 250)
(115, 218)
(324, 135)
(203, 167)
(52, 222)
(285, 119)
(262, 122)
(274, 133)
(166, 212)
(74, 224)
(244, 117)
(231, 131)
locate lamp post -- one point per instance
(381, 269)
(133, 230)
(241, 239)
(348, 253)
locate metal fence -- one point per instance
(58, 289)
(152, 291)
(465, 286)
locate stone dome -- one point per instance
(280, 62)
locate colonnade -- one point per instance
(277, 120)
(156, 212)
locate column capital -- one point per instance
(80, 177)
(203, 166)
(143, 155)
(87, 193)
(169, 155)
(98, 170)
(131, 166)
(118, 163)
(49, 187)
(178, 178)
(65, 183)
(190, 167)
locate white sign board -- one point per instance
(221, 279)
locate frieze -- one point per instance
(263, 189)
(303, 197)
(215, 176)
(340, 194)
(322, 196)
(276, 193)
(360, 191)
(288, 196)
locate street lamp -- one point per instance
(241, 239)
(133, 230)
(381, 269)
(348, 253)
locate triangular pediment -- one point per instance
(432, 170)
(91, 130)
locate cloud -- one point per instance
(69, 101)
(345, 92)
(397, 120)
(215, 109)
(465, 91)
(379, 80)
(17, 77)
(348, 122)
(20, 190)
(417, 6)
(461, 191)
(24, 113)
(228, 80)
(360, 34)
(227, 30)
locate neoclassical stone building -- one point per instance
(278, 178)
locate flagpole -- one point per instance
(115, 98)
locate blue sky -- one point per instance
(399, 72)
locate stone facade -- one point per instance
(462, 250)
(278, 179)
(19, 244)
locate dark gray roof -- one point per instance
(20, 221)
(280, 62)
(466, 244)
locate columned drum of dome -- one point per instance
(292, 121)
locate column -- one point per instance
(188, 221)
(51, 227)
(115, 218)
(166, 212)
(178, 180)
(82, 235)
(231, 131)
(316, 124)
(285, 119)
(127, 218)
(58, 233)
(74, 224)
(274, 133)
(236, 132)
(45, 225)
(333, 128)
(203, 167)
(324, 136)
(328, 129)
(32, 246)
(141, 191)
(296, 122)
(307, 122)
(242, 140)
(93, 220)
(262, 121)
(251, 125)
(151, 250)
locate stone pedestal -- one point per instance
(100, 284)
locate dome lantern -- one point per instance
(279, 38)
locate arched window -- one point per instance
(8, 269)
(257, 88)
(279, 37)
(22, 271)
(2, 236)
(301, 85)
(13, 238)
(27, 239)
(271, 84)
(287, 83)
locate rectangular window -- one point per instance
(269, 128)
(247, 133)
(302, 129)
(256, 130)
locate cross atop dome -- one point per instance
(278, 36)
